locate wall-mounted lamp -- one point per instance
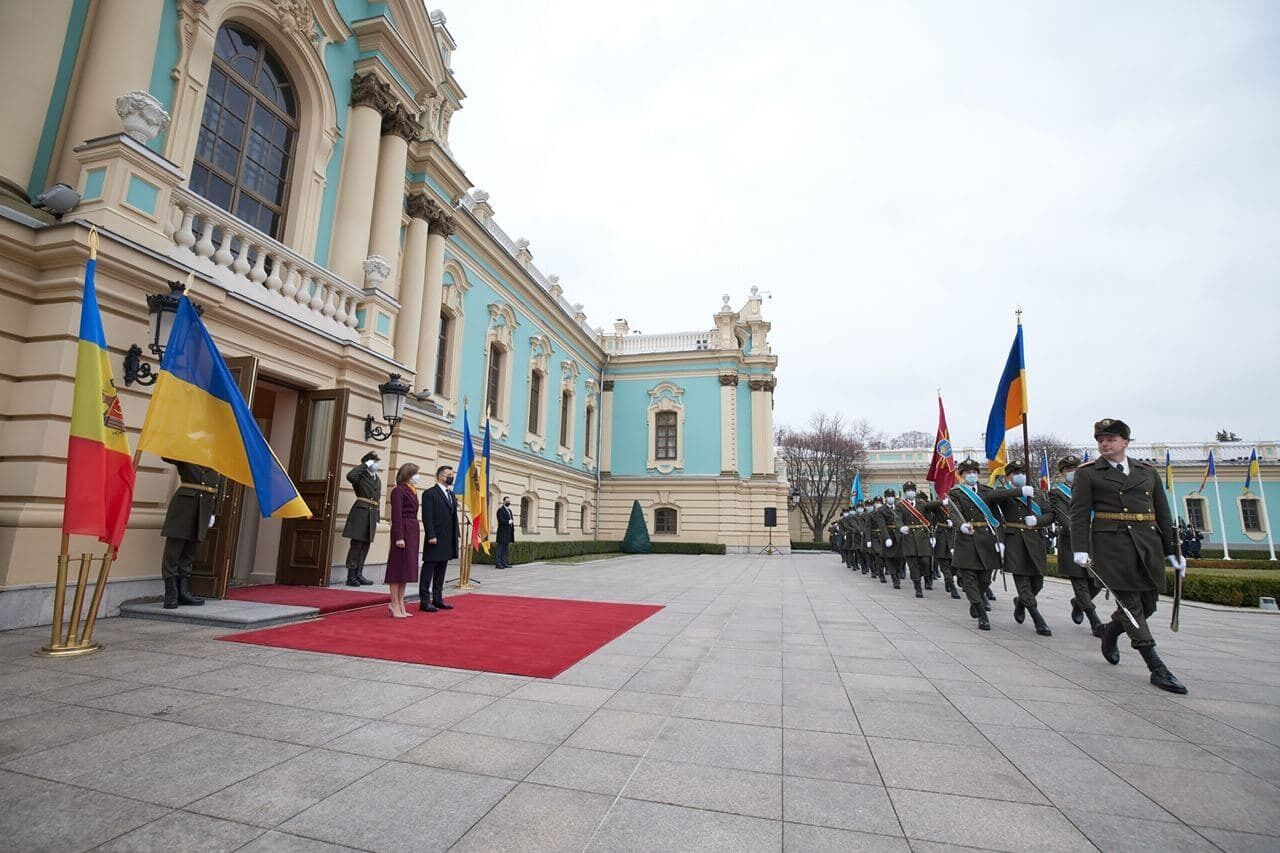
(163, 308)
(393, 392)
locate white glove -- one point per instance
(1179, 564)
(888, 543)
(950, 523)
(1000, 548)
(1081, 558)
(1028, 491)
(946, 500)
(932, 541)
(903, 529)
(966, 529)
(868, 543)
(1029, 521)
(212, 519)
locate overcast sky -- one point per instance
(901, 176)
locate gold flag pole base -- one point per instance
(67, 651)
(464, 557)
(74, 641)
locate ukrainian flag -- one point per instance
(1010, 406)
(1252, 473)
(197, 414)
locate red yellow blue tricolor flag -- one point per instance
(1044, 471)
(472, 485)
(197, 414)
(1010, 406)
(99, 467)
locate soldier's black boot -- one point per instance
(1095, 624)
(1110, 639)
(1160, 675)
(170, 593)
(984, 624)
(1077, 612)
(991, 596)
(919, 593)
(362, 580)
(352, 580)
(184, 594)
(928, 583)
(955, 588)
(1019, 611)
(1042, 627)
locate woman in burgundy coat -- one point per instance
(402, 562)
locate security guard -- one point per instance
(979, 540)
(1027, 513)
(362, 521)
(1121, 529)
(1084, 585)
(186, 524)
(916, 538)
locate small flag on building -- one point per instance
(1252, 473)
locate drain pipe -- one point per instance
(599, 437)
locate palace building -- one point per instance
(292, 157)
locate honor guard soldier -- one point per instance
(978, 539)
(1122, 531)
(362, 521)
(916, 538)
(887, 542)
(1084, 585)
(848, 537)
(1027, 513)
(944, 538)
(191, 512)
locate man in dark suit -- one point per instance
(186, 524)
(362, 521)
(440, 529)
(506, 534)
(1121, 529)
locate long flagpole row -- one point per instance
(1266, 516)
(1222, 519)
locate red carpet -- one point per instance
(540, 637)
(329, 599)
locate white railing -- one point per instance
(242, 258)
(672, 342)
(1181, 453)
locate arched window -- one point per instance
(248, 132)
(664, 520)
(584, 523)
(561, 506)
(526, 514)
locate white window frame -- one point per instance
(666, 397)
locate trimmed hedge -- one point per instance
(1242, 590)
(532, 552)
(1247, 565)
(810, 546)
(1236, 554)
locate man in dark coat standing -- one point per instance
(186, 524)
(362, 521)
(441, 536)
(1121, 529)
(1084, 585)
(506, 534)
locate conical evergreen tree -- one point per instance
(637, 539)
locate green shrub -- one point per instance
(801, 545)
(636, 540)
(1264, 564)
(1231, 590)
(1236, 554)
(686, 547)
(531, 552)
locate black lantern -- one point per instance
(163, 308)
(393, 392)
(795, 497)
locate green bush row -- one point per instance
(1220, 589)
(532, 552)
(801, 545)
(1233, 563)
(1236, 554)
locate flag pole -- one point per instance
(1026, 441)
(1266, 516)
(1222, 519)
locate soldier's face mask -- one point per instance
(1070, 477)
(372, 464)
(971, 478)
(878, 506)
(889, 501)
(909, 495)
(1019, 480)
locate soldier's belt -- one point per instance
(1012, 526)
(369, 501)
(917, 527)
(982, 523)
(1126, 516)
(198, 487)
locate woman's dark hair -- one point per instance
(404, 472)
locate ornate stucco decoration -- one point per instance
(143, 117)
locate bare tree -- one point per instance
(911, 438)
(1050, 444)
(821, 461)
(869, 436)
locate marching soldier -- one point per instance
(943, 542)
(1084, 585)
(191, 512)
(1027, 513)
(362, 521)
(916, 539)
(887, 544)
(1121, 529)
(978, 539)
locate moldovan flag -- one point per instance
(471, 484)
(1010, 405)
(942, 468)
(1044, 471)
(99, 467)
(198, 415)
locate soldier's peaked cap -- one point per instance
(890, 493)
(1111, 426)
(1015, 467)
(1069, 461)
(372, 454)
(969, 465)
(908, 486)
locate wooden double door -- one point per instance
(315, 454)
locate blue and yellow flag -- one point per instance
(472, 485)
(1252, 473)
(855, 490)
(1209, 471)
(1010, 406)
(198, 415)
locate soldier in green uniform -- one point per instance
(866, 557)
(979, 543)
(1027, 513)
(916, 538)
(186, 524)
(362, 521)
(1084, 585)
(844, 536)
(1121, 529)
(943, 542)
(886, 540)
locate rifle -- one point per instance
(1177, 585)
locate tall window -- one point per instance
(442, 354)
(248, 132)
(1251, 513)
(559, 517)
(584, 519)
(564, 418)
(526, 514)
(588, 448)
(535, 401)
(665, 436)
(664, 520)
(1196, 513)
(493, 388)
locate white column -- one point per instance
(413, 270)
(439, 227)
(762, 427)
(353, 215)
(398, 127)
(606, 427)
(728, 423)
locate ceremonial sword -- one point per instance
(1114, 597)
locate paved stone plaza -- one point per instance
(776, 703)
